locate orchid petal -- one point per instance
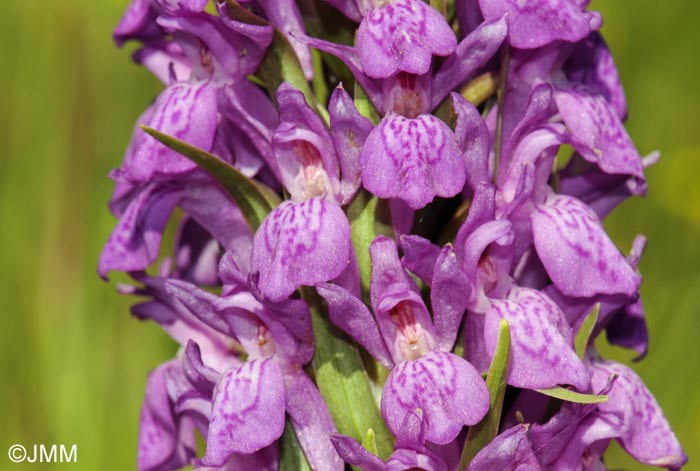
(474, 140)
(419, 256)
(598, 133)
(135, 242)
(312, 422)
(472, 53)
(413, 160)
(577, 254)
(533, 24)
(175, 112)
(300, 244)
(448, 390)
(542, 342)
(248, 411)
(510, 450)
(350, 314)
(355, 454)
(591, 64)
(647, 436)
(449, 297)
(163, 443)
(402, 35)
(349, 130)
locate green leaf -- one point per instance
(254, 199)
(364, 105)
(292, 457)
(343, 381)
(584, 333)
(496, 380)
(369, 217)
(571, 396)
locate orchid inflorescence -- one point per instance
(389, 251)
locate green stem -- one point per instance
(343, 381)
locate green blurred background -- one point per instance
(74, 363)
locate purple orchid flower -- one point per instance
(306, 241)
(166, 439)
(580, 433)
(401, 336)
(179, 392)
(250, 400)
(202, 52)
(135, 242)
(409, 143)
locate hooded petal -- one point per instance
(216, 212)
(196, 254)
(541, 341)
(448, 390)
(401, 315)
(349, 130)
(248, 411)
(535, 23)
(300, 244)
(182, 6)
(198, 374)
(285, 15)
(413, 160)
(628, 328)
(474, 141)
(577, 253)
(265, 459)
(252, 111)
(449, 297)
(303, 147)
(212, 44)
(403, 35)
(138, 22)
(419, 256)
